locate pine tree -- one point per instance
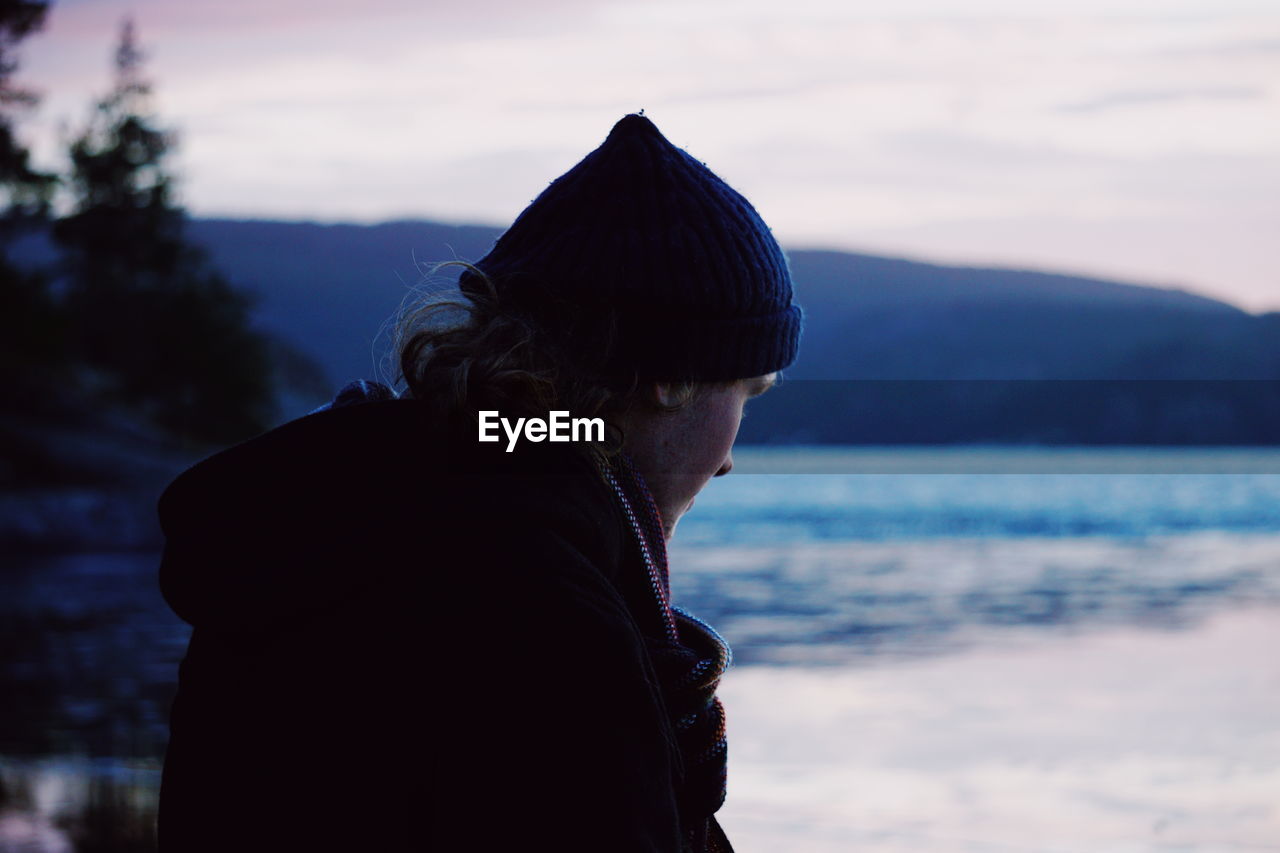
(31, 351)
(162, 332)
(27, 189)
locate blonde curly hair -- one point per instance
(471, 351)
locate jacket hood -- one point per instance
(316, 512)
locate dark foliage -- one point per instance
(159, 329)
(28, 189)
(30, 325)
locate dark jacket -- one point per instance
(406, 639)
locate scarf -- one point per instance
(689, 658)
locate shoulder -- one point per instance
(383, 486)
(384, 451)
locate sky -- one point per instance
(1135, 140)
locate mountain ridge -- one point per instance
(332, 288)
(971, 349)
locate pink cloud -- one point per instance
(74, 20)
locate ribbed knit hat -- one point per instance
(642, 233)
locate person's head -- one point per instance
(638, 287)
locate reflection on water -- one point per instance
(88, 661)
(831, 602)
(841, 570)
(90, 654)
(1117, 740)
(102, 806)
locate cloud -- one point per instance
(836, 118)
(1229, 49)
(223, 17)
(1124, 100)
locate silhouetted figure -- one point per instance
(410, 638)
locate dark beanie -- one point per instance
(640, 261)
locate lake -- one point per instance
(936, 649)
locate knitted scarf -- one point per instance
(689, 657)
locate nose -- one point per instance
(726, 467)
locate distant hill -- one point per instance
(893, 350)
(879, 318)
(330, 288)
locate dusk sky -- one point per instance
(1131, 139)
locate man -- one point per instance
(410, 637)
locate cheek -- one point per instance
(722, 432)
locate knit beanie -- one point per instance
(640, 261)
